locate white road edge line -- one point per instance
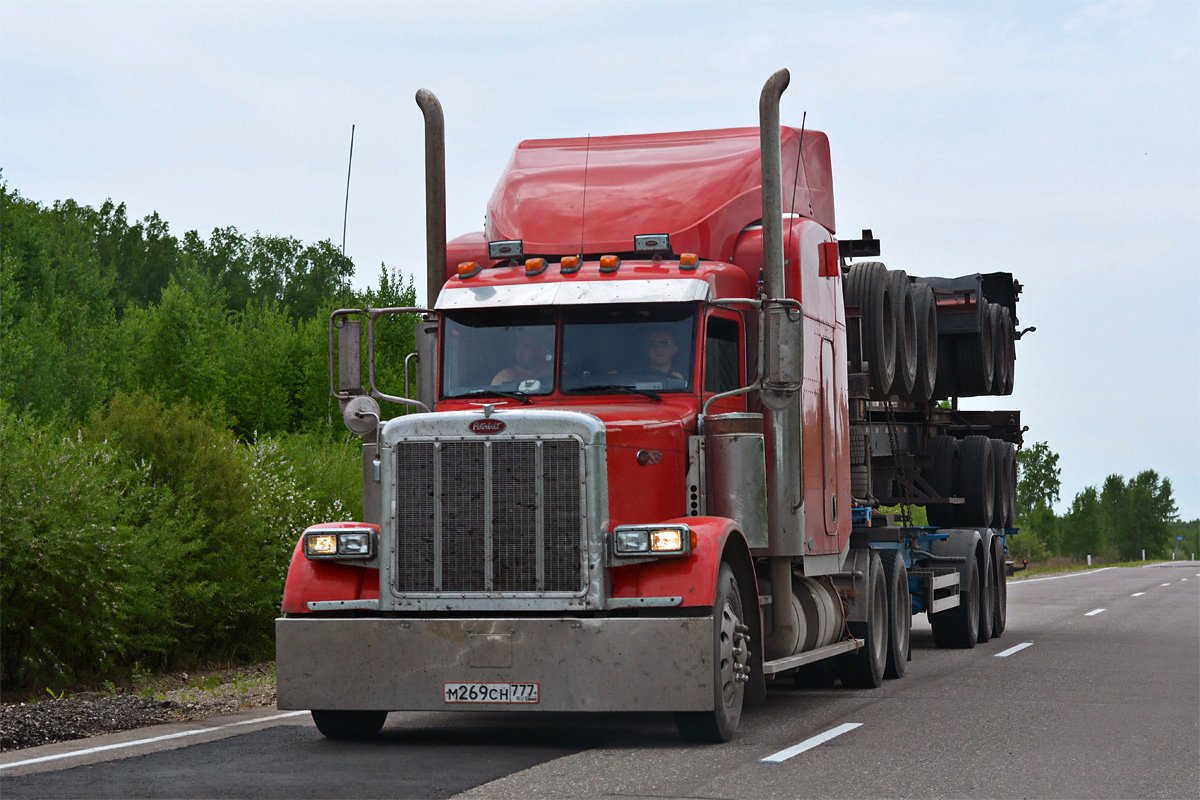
(1015, 649)
(1056, 577)
(151, 740)
(1137, 594)
(808, 744)
(1095, 612)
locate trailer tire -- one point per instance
(1006, 353)
(976, 359)
(959, 626)
(1002, 487)
(869, 287)
(943, 476)
(977, 480)
(864, 669)
(1010, 516)
(729, 692)
(899, 603)
(987, 584)
(1000, 597)
(1000, 363)
(349, 724)
(904, 312)
(925, 311)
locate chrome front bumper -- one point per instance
(610, 664)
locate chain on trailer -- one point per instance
(901, 475)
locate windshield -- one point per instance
(498, 352)
(647, 348)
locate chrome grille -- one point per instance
(494, 516)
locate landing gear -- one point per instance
(731, 652)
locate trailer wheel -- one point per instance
(1000, 365)
(977, 480)
(987, 584)
(943, 476)
(869, 287)
(349, 724)
(899, 613)
(731, 651)
(1002, 487)
(927, 341)
(959, 626)
(904, 312)
(976, 361)
(1000, 596)
(864, 669)
(1010, 516)
(1006, 352)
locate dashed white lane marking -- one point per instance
(1056, 577)
(151, 740)
(1137, 594)
(1016, 649)
(1095, 612)
(1164, 584)
(808, 744)
(1183, 579)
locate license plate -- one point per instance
(524, 693)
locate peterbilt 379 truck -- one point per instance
(659, 407)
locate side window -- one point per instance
(721, 355)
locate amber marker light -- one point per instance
(534, 266)
(610, 263)
(569, 264)
(467, 269)
(689, 261)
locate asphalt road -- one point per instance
(1093, 691)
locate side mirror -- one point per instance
(350, 357)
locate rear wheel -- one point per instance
(959, 626)
(987, 591)
(731, 651)
(349, 724)
(1000, 596)
(864, 669)
(899, 612)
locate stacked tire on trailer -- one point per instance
(898, 330)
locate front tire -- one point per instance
(731, 652)
(349, 724)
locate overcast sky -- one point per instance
(1058, 141)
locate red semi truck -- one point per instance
(659, 405)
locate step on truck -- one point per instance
(668, 438)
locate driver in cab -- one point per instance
(661, 350)
(534, 362)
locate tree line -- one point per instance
(167, 433)
(1118, 521)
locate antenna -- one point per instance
(792, 211)
(346, 214)
(583, 210)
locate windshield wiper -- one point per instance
(524, 398)
(626, 389)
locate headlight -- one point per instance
(339, 544)
(651, 540)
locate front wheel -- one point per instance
(349, 724)
(731, 651)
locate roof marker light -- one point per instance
(508, 248)
(610, 263)
(570, 265)
(652, 243)
(534, 266)
(689, 261)
(468, 269)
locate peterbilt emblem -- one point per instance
(487, 426)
